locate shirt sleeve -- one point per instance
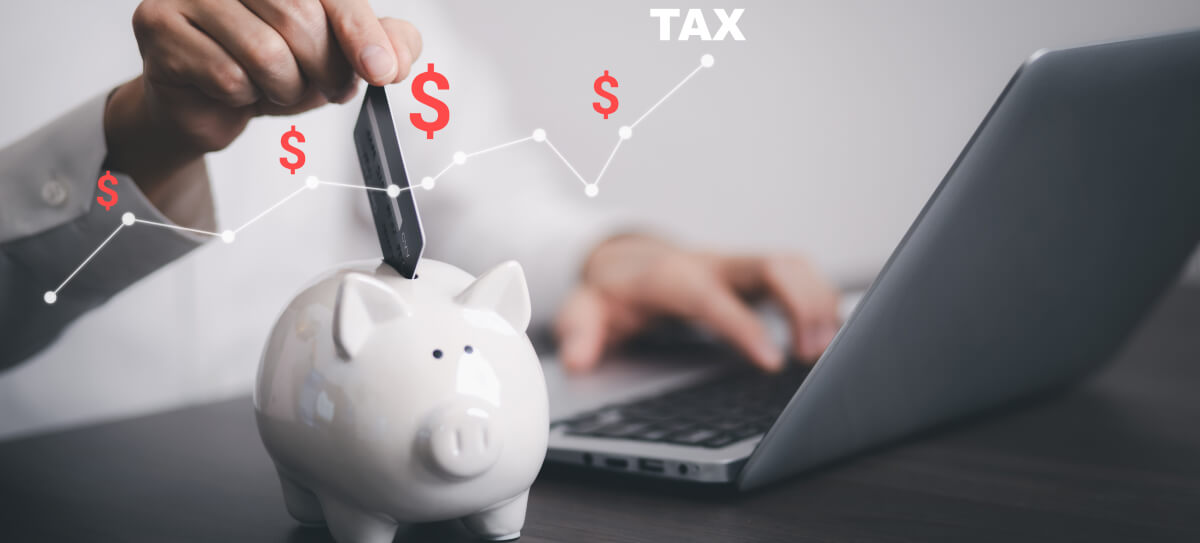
(56, 238)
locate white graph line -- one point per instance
(609, 161)
(443, 172)
(669, 93)
(312, 183)
(349, 186)
(591, 188)
(50, 295)
(565, 161)
(501, 146)
(177, 227)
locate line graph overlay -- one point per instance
(176, 227)
(591, 189)
(52, 295)
(705, 62)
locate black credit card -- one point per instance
(396, 219)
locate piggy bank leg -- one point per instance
(301, 503)
(502, 522)
(350, 524)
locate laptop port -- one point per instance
(616, 463)
(652, 466)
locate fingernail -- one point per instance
(378, 63)
(771, 354)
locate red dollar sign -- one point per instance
(439, 107)
(287, 146)
(102, 184)
(612, 99)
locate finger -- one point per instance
(179, 55)
(624, 322)
(362, 40)
(718, 308)
(809, 302)
(406, 41)
(257, 47)
(303, 25)
(349, 92)
(313, 99)
(581, 327)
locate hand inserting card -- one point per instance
(396, 221)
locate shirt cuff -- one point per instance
(56, 237)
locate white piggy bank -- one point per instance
(385, 400)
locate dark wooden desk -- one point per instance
(1116, 458)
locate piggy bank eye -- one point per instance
(469, 349)
(437, 353)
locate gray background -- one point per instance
(824, 131)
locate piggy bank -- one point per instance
(384, 400)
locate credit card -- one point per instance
(396, 221)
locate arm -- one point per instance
(208, 69)
(50, 222)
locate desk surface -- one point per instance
(1114, 458)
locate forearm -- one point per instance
(50, 223)
(167, 167)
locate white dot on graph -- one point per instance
(591, 190)
(128, 219)
(460, 158)
(50, 297)
(539, 135)
(227, 236)
(427, 183)
(312, 182)
(706, 61)
(625, 132)
(393, 191)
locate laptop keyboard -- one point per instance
(711, 414)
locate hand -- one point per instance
(212, 65)
(630, 281)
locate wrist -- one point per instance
(137, 143)
(170, 173)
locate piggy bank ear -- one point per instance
(501, 290)
(363, 303)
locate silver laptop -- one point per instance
(1072, 208)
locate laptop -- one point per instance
(1071, 209)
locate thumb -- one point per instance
(363, 39)
(582, 327)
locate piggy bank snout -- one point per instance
(462, 441)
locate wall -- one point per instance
(824, 132)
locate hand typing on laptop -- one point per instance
(631, 281)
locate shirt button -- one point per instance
(54, 193)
